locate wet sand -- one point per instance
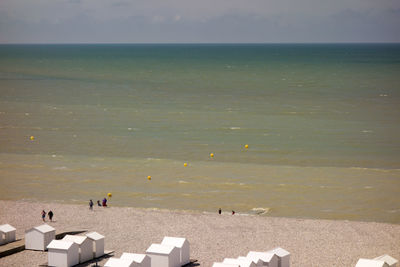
(212, 237)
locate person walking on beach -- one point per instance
(50, 215)
(43, 215)
(104, 202)
(91, 205)
(219, 211)
(233, 212)
(98, 203)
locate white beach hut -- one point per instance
(264, 258)
(257, 261)
(37, 238)
(243, 262)
(163, 255)
(370, 263)
(221, 264)
(182, 244)
(7, 234)
(283, 256)
(118, 262)
(97, 243)
(141, 260)
(85, 246)
(63, 253)
(390, 261)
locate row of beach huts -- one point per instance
(171, 252)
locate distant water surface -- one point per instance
(322, 123)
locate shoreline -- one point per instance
(212, 237)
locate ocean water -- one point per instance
(322, 122)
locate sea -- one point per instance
(283, 130)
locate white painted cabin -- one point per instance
(264, 258)
(182, 244)
(243, 262)
(140, 260)
(85, 246)
(39, 237)
(63, 253)
(370, 263)
(163, 255)
(97, 244)
(118, 262)
(256, 260)
(7, 234)
(283, 256)
(390, 261)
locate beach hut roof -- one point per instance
(44, 228)
(388, 259)
(5, 228)
(75, 238)
(174, 241)
(264, 256)
(244, 262)
(280, 252)
(133, 256)
(60, 244)
(116, 262)
(95, 236)
(370, 263)
(160, 249)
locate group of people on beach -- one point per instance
(50, 214)
(104, 203)
(220, 211)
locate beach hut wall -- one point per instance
(85, 246)
(182, 244)
(141, 260)
(7, 234)
(283, 256)
(370, 263)
(241, 262)
(39, 237)
(267, 258)
(163, 255)
(390, 261)
(97, 243)
(63, 253)
(221, 264)
(118, 262)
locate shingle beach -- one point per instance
(212, 237)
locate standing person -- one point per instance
(91, 205)
(50, 215)
(233, 212)
(104, 202)
(219, 211)
(43, 215)
(98, 203)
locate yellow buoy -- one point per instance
(109, 195)
(149, 177)
(246, 146)
(185, 164)
(32, 137)
(212, 155)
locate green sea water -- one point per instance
(322, 122)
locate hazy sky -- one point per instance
(204, 21)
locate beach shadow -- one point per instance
(192, 263)
(94, 262)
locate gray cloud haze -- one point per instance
(182, 21)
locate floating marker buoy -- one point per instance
(212, 155)
(246, 146)
(32, 137)
(109, 195)
(149, 177)
(185, 164)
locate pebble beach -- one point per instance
(212, 237)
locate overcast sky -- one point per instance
(198, 21)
